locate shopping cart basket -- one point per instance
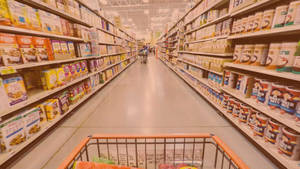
(200, 150)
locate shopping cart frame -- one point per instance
(82, 148)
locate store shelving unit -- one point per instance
(6, 156)
(36, 96)
(182, 67)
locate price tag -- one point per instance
(7, 70)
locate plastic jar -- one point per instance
(260, 124)
(289, 144)
(275, 97)
(236, 108)
(280, 15)
(286, 58)
(289, 102)
(244, 113)
(273, 55)
(263, 91)
(272, 131)
(252, 118)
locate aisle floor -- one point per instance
(145, 99)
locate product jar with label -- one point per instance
(273, 55)
(260, 125)
(263, 91)
(244, 113)
(236, 108)
(289, 101)
(272, 131)
(275, 97)
(289, 144)
(286, 58)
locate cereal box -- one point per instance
(32, 78)
(63, 99)
(3, 97)
(67, 73)
(31, 119)
(70, 29)
(76, 9)
(84, 69)
(56, 24)
(65, 50)
(12, 133)
(72, 68)
(87, 86)
(60, 4)
(56, 47)
(73, 97)
(78, 69)
(71, 49)
(45, 18)
(51, 2)
(18, 12)
(61, 78)
(34, 18)
(15, 89)
(43, 116)
(80, 90)
(85, 49)
(4, 13)
(64, 26)
(26, 48)
(9, 52)
(52, 109)
(42, 48)
(49, 79)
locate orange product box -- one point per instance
(42, 48)
(27, 49)
(9, 50)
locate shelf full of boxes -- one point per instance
(51, 61)
(243, 57)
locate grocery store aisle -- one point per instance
(145, 99)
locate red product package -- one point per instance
(9, 50)
(27, 49)
(42, 48)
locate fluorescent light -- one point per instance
(146, 1)
(146, 11)
(130, 19)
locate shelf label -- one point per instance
(7, 70)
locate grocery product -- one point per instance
(57, 50)
(286, 58)
(4, 13)
(43, 114)
(49, 79)
(292, 17)
(274, 52)
(19, 14)
(71, 49)
(244, 113)
(73, 95)
(238, 51)
(263, 91)
(4, 104)
(272, 131)
(27, 49)
(275, 97)
(34, 18)
(289, 101)
(289, 144)
(267, 20)
(9, 52)
(63, 99)
(64, 51)
(258, 21)
(252, 118)
(15, 89)
(12, 133)
(31, 120)
(260, 54)
(60, 76)
(52, 109)
(42, 48)
(247, 53)
(260, 125)
(32, 79)
(67, 72)
(296, 65)
(280, 15)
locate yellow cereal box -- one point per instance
(34, 18)
(49, 79)
(4, 13)
(61, 78)
(18, 12)
(52, 109)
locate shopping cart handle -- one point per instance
(240, 163)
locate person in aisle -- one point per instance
(144, 54)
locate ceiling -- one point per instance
(145, 16)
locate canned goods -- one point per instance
(265, 87)
(275, 97)
(236, 108)
(291, 97)
(272, 131)
(274, 52)
(260, 125)
(244, 113)
(230, 105)
(289, 144)
(252, 118)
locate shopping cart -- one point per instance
(200, 150)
